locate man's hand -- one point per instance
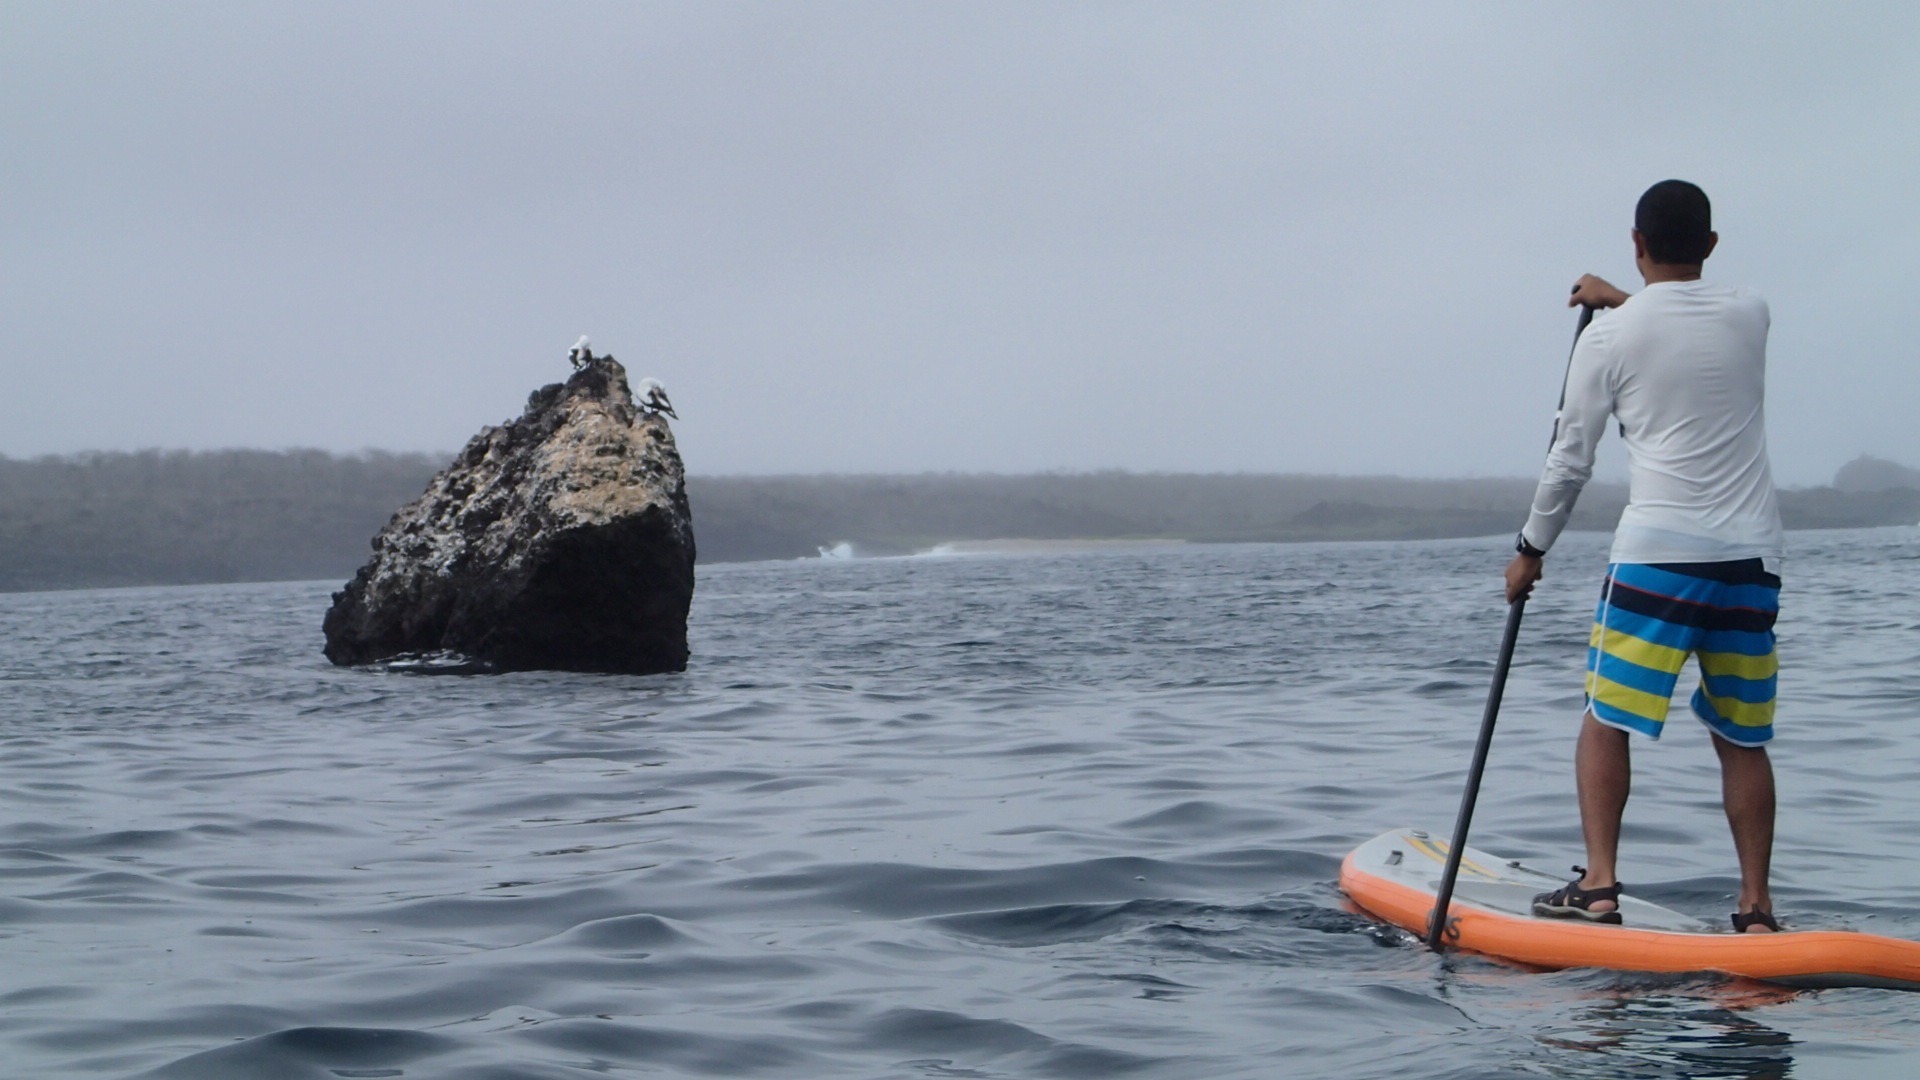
(1592, 291)
(1522, 572)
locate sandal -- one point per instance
(1756, 917)
(1570, 901)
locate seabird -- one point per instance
(653, 397)
(581, 355)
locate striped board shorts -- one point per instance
(1653, 616)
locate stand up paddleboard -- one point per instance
(1395, 876)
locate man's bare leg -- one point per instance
(1746, 787)
(1603, 770)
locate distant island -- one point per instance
(178, 517)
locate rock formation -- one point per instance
(558, 541)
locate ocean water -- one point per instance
(1052, 814)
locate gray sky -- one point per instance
(913, 236)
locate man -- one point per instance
(1681, 367)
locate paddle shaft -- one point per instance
(1437, 923)
(1437, 927)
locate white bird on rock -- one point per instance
(653, 398)
(581, 354)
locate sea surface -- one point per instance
(1043, 814)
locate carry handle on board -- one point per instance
(1437, 922)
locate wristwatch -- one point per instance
(1520, 545)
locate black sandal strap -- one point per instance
(1572, 895)
(1752, 918)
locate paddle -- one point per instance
(1437, 922)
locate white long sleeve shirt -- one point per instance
(1682, 367)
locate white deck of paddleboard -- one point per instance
(1417, 858)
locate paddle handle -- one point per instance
(1437, 922)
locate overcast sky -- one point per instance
(862, 237)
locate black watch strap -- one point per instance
(1520, 545)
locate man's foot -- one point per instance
(1755, 922)
(1576, 901)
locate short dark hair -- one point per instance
(1675, 219)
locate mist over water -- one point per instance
(1018, 814)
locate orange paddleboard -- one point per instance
(1396, 876)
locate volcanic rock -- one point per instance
(558, 541)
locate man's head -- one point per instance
(1673, 225)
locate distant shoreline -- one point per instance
(177, 518)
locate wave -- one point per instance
(848, 550)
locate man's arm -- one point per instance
(1577, 430)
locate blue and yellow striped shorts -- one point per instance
(1653, 616)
